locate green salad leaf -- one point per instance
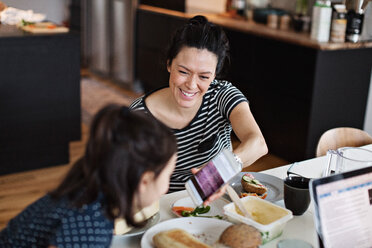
(25, 23)
(197, 211)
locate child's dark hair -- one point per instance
(201, 34)
(121, 147)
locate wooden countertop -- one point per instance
(250, 27)
(12, 31)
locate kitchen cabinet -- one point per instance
(179, 5)
(151, 43)
(297, 88)
(296, 93)
(39, 98)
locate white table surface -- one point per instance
(300, 227)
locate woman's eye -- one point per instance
(183, 72)
(204, 77)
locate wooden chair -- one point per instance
(341, 137)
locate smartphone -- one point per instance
(212, 176)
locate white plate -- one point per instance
(274, 185)
(216, 206)
(207, 230)
(137, 231)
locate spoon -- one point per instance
(235, 198)
(305, 179)
(289, 173)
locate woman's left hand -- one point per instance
(220, 192)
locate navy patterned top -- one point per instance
(207, 134)
(48, 222)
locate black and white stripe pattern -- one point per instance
(209, 129)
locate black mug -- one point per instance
(296, 194)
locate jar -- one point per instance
(338, 29)
(284, 22)
(272, 21)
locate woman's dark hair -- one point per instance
(201, 34)
(121, 147)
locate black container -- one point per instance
(354, 26)
(296, 194)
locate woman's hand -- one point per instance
(215, 195)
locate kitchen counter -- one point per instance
(12, 31)
(40, 98)
(251, 27)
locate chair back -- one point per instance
(341, 137)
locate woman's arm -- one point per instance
(253, 145)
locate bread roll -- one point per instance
(121, 226)
(240, 236)
(252, 185)
(177, 238)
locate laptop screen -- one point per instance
(343, 208)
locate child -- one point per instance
(127, 164)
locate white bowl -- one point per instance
(268, 218)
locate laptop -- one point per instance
(343, 209)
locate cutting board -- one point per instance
(45, 27)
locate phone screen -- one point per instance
(208, 180)
(212, 176)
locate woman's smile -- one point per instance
(188, 94)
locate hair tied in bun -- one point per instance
(197, 20)
(125, 111)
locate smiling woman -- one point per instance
(201, 110)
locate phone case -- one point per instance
(212, 176)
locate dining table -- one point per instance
(299, 227)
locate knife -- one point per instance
(235, 198)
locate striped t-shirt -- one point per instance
(207, 134)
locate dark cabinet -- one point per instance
(39, 99)
(295, 92)
(277, 79)
(178, 5)
(153, 34)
